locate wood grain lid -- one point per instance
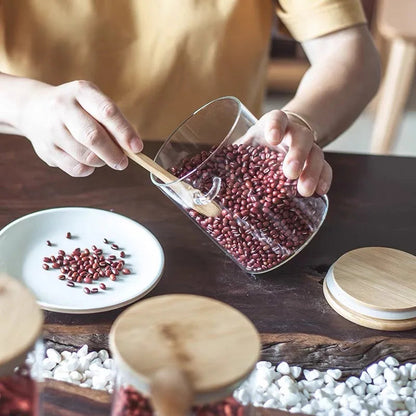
(374, 287)
(214, 344)
(20, 324)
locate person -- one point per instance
(82, 79)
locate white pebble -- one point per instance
(48, 364)
(360, 389)
(260, 364)
(83, 351)
(103, 354)
(53, 355)
(75, 376)
(295, 371)
(290, 399)
(365, 377)
(406, 391)
(83, 363)
(374, 389)
(391, 362)
(410, 404)
(346, 412)
(271, 404)
(412, 373)
(311, 374)
(352, 381)
(285, 381)
(374, 370)
(283, 368)
(341, 389)
(379, 380)
(308, 409)
(108, 363)
(92, 355)
(334, 373)
(390, 374)
(98, 383)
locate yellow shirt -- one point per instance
(159, 60)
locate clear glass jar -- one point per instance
(21, 350)
(264, 222)
(177, 347)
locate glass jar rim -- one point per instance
(170, 137)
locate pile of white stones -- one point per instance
(385, 388)
(87, 369)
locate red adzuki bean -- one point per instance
(263, 219)
(129, 402)
(85, 266)
(68, 235)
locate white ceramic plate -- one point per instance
(23, 247)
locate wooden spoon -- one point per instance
(185, 191)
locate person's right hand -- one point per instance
(76, 128)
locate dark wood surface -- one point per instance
(372, 203)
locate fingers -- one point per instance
(92, 135)
(304, 159)
(316, 175)
(60, 158)
(300, 141)
(79, 152)
(325, 179)
(108, 114)
(275, 125)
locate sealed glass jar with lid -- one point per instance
(261, 221)
(180, 355)
(21, 350)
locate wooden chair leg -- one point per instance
(394, 93)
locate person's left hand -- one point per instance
(305, 159)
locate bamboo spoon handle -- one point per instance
(183, 189)
(151, 166)
(171, 392)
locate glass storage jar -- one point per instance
(181, 355)
(263, 221)
(21, 350)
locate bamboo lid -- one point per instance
(374, 287)
(210, 344)
(20, 324)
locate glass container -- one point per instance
(172, 355)
(21, 350)
(264, 221)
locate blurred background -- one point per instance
(393, 25)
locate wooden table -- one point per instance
(372, 203)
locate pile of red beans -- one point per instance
(263, 220)
(18, 396)
(87, 266)
(128, 402)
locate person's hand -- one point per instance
(305, 159)
(76, 128)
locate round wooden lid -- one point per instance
(215, 345)
(374, 287)
(20, 324)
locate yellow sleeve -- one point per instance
(308, 19)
